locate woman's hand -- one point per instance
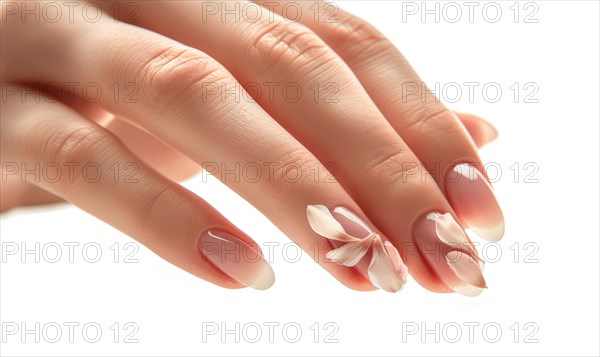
(323, 113)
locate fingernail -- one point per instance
(236, 258)
(354, 226)
(445, 246)
(489, 131)
(472, 197)
(357, 245)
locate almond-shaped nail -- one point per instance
(491, 133)
(445, 246)
(354, 226)
(236, 258)
(357, 245)
(473, 199)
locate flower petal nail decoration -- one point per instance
(351, 253)
(462, 268)
(450, 232)
(323, 223)
(467, 270)
(386, 269)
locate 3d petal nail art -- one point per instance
(386, 269)
(451, 233)
(446, 248)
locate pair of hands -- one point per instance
(309, 118)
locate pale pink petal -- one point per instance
(468, 271)
(383, 272)
(351, 253)
(323, 223)
(449, 231)
(396, 260)
(358, 223)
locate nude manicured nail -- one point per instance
(357, 245)
(352, 224)
(472, 197)
(356, 227)
(489, 131)
(445, 246)
(236, 258)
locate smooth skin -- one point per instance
(180, 65)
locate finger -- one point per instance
(153, 151)
(235, 140)
(79, 161)
(144, 145)
(481, 131)
(14, 193)
(416, 114)
(371, 158)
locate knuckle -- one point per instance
(161, 204)
(293, 172)
(80, 153)
(290, 46)
(175, 70)
(390, 167)
(432, 119)
(357, 39)
(81, 144)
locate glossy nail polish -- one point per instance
(353, 225)
(357, 245)
(472, 197)
(445, 246)
(236, 258)
(489, 131)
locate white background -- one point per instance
(543, 287)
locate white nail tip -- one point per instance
(386, 269)
(264, 279)
(468, 290)
(493, 235)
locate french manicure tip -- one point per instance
(264, 279)
(491, 133)
(236, 258)
(493, 234)
(469, 290)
